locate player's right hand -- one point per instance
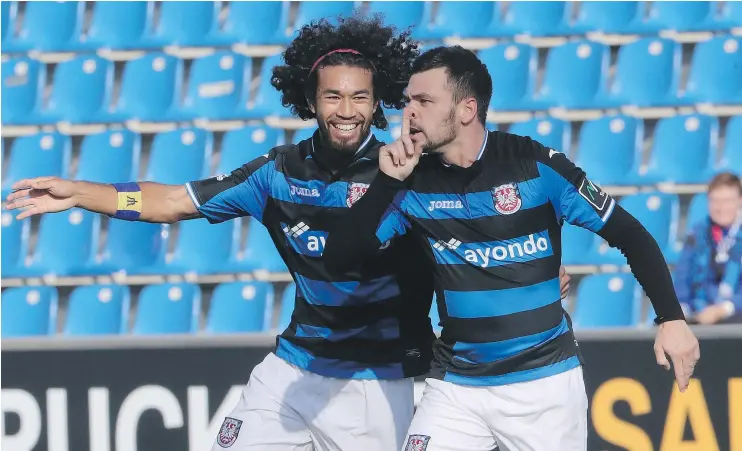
(41, 195)
(399, 158)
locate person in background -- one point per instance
(708, 276)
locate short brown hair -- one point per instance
(725, 179)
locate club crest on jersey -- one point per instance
(417, 442)
(507, 198)
(355, 192)
(228, 432)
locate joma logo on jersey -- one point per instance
(445, 204)
(481, 257)
(306, 192)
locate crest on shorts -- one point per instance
(355, 192)
(228, 432)
(417, 442)
(507, 198)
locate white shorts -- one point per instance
(542, 415)
(285, 408)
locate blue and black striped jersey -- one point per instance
(348, 323)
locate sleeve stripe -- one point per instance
(189, 189)
(609, 210)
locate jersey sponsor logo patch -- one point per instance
(507, 198)
(355, 192)
(305, 192)
(445, 205)
(228, 432)
(593, 194)
(417, 442)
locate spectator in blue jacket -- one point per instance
(708, 276)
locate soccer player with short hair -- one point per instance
(486, 209)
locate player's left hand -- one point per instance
(563, 282)
(711, 314)
(675, 339)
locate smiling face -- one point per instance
(344, 105)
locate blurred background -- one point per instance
(115, 333)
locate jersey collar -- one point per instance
(481, 150)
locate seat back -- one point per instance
(98, 310)
(29, 311)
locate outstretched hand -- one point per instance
(41, 195)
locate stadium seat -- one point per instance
(29, 311)
(698, 210)
(302, 134)
(132, 247)
(47, 27)
(240, 307)
(98, 310)
(681, 16)
(215, 86)
(607, 17)
(111, 156)
(579, 246)
(243, 145)
(288, 301)
(23, 90)
(647, 74)
(609, 149)
(692, 136)
(532, 18)
(401, 14)
(204, 248)
(607, 300)
(267, 100)
(15, 236)
(179, 156)
(575, 75)
(66, 242)
(185, 24)
(716, 72)
(81, 90)
(43, 154)
(731, 158)
(513, 68)
(168, 308)
(118, 26)
(150, 89)
(451, 20)
(260, 253)
(254, 23)
(316, 10)
(730, 15)
(554, 133)
(8, 11)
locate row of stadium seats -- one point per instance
(60, 26)
(576, 76)
(68, 243)
(610, 149)
(602, 300)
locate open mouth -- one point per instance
(346, 128)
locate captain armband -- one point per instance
(128, 201)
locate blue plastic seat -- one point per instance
(43, 154)
(47, 27)
(98, 310)
(303, 134)
(647, 74)
(254, 23)
(132, 247)
(243, 145)
(150, 89)
(267, 100)
(168, 308)
(205, 248)
(554, 133)
(118, 25)
(288, 301)
(15, 236)
(575, 75)
(716, 72)
(81, 91)
(513, 69)
(731, 158)
(453, 20)
(607, 300)
(29, 311)
(609, 149)
(111, 156)
(215, 86)
(532, 18)
(8, 11)
(692, 136)
(260, 252)
(316, 10)
(607, 17)
(681, 16)
(185, 24)
(66, 243)
(240, 307)
(579, 246)
(730, 15)
(401, 14)
(179, 156)
(24, 80)
(698, 210)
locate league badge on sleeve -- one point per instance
(355, 192)
(417, 442)
(228, 432)
(507, 198)
(593, 194)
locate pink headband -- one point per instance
(355, 52)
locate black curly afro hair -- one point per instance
(384, 51)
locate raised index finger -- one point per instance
(405, 124)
